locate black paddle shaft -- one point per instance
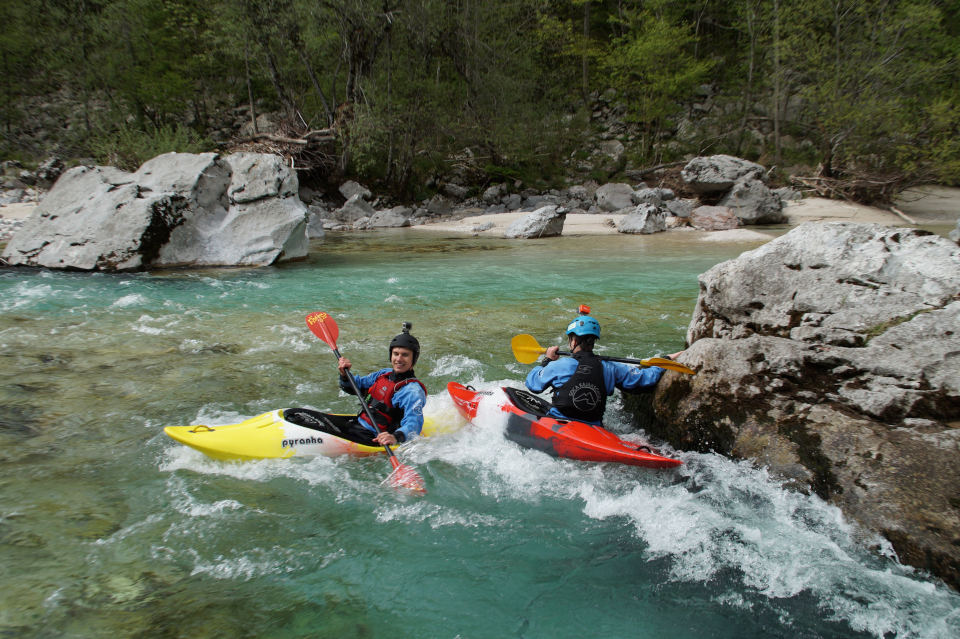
(625, 360)
(363, 404)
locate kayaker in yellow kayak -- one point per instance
(395, 396)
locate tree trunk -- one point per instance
(253, 107)
(584, 61)
(777, 75)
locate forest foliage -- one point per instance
(402, 88)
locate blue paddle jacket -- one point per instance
(410, 398)
(615, 375)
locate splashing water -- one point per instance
(109, 527)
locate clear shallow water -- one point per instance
(108, 528)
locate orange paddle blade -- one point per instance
(405, 477)
(324, 327)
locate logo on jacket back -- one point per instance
(585, 396)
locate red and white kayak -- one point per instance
(529, 425)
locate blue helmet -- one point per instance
(584, 325)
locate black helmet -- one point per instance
(405, 340)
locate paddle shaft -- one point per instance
(625, 360)
(363, 403)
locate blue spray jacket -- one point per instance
(410, 398)
(615, 375)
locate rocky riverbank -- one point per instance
(723, 195)
(830, 356)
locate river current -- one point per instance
(109, 528)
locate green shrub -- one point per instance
(128, 147)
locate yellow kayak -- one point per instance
(271, 436)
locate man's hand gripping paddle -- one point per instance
(403, 476)
(527, 350)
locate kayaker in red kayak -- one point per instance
(581, 383)
(395, 396)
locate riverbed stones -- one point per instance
(396, 217)
(354, 209)
(713, 218)
(754, 203)
(831, 355)
(351, 188)
(614, 196)
(544, 222)
(178, 209)
(643, 220)
(718, 173)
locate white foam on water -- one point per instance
(192, 529)
(729, 517)
(505, 470)
(291, 338)
(24, 294)
(458, 366)
(134, 299)
(149, 325)
(252, 564)
(711, 518)
(131, 530)
(435, 515)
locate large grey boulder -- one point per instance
(649, 196)
(754, 203)
(398, 216)
(492, 194)
(718, 173)
(350, 189)
(714, 218)
(178, 209)
(544, 222)
(614, 196)
(257, 220)
(318, 216)
(680, 207)
(643, 220)
(831, 355)
(355, 208)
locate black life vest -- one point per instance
(380, 399)
(584, 396)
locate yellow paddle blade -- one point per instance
(669, 364)
(526, 349)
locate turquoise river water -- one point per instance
(110, 529)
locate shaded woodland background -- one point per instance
(403, 93)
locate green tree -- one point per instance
(653, 68)
(874, 78)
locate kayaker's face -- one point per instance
(401, 359)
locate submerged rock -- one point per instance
(832, 356)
